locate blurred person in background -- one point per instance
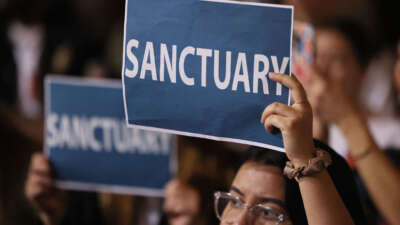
(25, 41)
(59, 37)
(34, 35)
(342, 55)
(380, 179)
(53, 205)
(191, 202)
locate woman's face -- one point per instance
(336, 58)
(182, 203)
(257, 184)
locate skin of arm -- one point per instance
(380, 176)
(323, 204)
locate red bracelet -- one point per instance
(315, 165)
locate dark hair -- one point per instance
(339, 171)
(293, 202)
(206, 187)
(355, 34)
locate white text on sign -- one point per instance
(168, 63)
(102, 134)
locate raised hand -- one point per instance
(295, 121)
(328, 97)
(40, 190)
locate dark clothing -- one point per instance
(8, 77)
(374, 217)
(83, 209)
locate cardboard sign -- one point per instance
(200, 68)
(90, 146)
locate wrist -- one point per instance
(299, 161)
(302, 159)
(315, 165)
(356, 131)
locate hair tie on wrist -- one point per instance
(314, 166)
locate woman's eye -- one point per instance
(236, 202)
(268, 214)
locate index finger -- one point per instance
(298, 92)
(40, 162)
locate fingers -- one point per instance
(275, 121)
(298, 93)
(41, 191)
(279, 109)
(40, 164)
(38, 186)
(39, 181)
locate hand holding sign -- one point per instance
(41, 191)
(295, 121)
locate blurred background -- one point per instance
(84, 38)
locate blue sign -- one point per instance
(200, 67)
(90, 146)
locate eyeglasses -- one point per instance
(228, 209)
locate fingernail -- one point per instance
(273, 75)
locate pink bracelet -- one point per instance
(315, 165)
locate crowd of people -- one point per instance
(342, 154)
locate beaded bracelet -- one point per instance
(315, 165)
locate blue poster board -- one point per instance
(91, 148)
(200, 67)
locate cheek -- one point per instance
(338, 72)
(347, 73)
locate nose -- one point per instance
(242, 218)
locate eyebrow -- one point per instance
(273, 200)
(261, 199)
(235, 189)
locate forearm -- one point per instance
(380, 176)
(322, 203)
(382, 180)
